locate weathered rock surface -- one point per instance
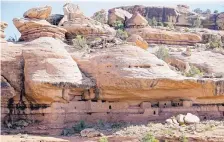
(117, 14)
(101, 16)
(31, 29)
(50, 69)
(126, 72)
(136, 21)
(190, 118)
(7, 91)
(165, 37)
(139, 41)
(3, 26)
(220, 21)
(89, 132)
(77, 24)
(46, 67)
(38, 13)
(162, 14)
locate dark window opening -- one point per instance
(205, 118)
(109, 106)
(129, 66)
(89, 113)
(154, 112)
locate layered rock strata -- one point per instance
(34, 25)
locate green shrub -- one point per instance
(162, 53)
(159, 24)
(215, 42)
(119, 25)
(103, 139)
(196, 22)
(152, 22)
(79, 127)
(194, 71)
(183, 138)
(149, 138)
(168, 24)
(216, 11)
(80, 42)
(186, 30)
(121, 34)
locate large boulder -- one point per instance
(77, 24)
(190, 119)
(165, 37)
(38, 12)
(49, 71)
(220, 21)
(117, 14)
(31, 29)
(136, 21)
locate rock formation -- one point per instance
(38, 13)
(136, 21)
(162, 14)
(34, 25)
(77, 24)
(47, 81)
(117, 14)
(220, 21)
(139, 26)
(3, 26)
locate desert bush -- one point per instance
(80, 126)
(149, 138)
(183, 138)
(121, 34)
(196, 22)
(194, 71)
(152, 22)
(186, 30)
(12, 39)
(159, 24)
(100, 16)
(215, 42)
(168, 24)
(119, 25)
(80, 42)
(103, 139)
(162, 53)
(216, 11)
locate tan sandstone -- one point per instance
(31, 29)
(165, 37)
(38, 12)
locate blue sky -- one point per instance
(15, 9)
